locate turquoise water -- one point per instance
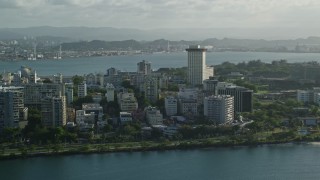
(129, 63)
(275, 162)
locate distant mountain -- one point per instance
(78, 33)
(311, 44)
(99, 45)
(119, 34)
(94, 38)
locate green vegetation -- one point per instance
(277, 75)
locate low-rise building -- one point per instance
(171, 106)
(125, 117)
(95, 108)
(188, 107)
(153, 116)
(127, 102)
(83, 117)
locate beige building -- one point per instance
(127, 102)
(153, 116)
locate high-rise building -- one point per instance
(196, 65)
(54, 111)
(11, 106)
(219, 109)
(82, 90)
(112, 71)
(69, 93)
(210, 86)
(209, 72)
(243, 97)
(144, 67)
(91, 80)
(151, 89)
(110, 92)
(57, 78)
(36, 92)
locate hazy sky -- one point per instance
(149, 14)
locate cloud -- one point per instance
(147, 14)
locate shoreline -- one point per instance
(104, 148)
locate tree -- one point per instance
(78, 102)
(47, 80)
(107, 128)
(10, 134)
(127, 84)
(77, 80)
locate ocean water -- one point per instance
(272, 162)
(80, 66)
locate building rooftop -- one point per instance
(196, 48)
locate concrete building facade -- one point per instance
(196, 65)
(171, 106)
(144, 67)
(219, 109)
(11, 107)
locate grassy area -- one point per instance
(67, 149)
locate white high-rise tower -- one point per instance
(196, 65)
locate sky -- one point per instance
(154, 14)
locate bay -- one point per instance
(285, 162)
(85, 65)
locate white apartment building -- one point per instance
(219, 109)
(306, 96)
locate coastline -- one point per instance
(105, 148)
